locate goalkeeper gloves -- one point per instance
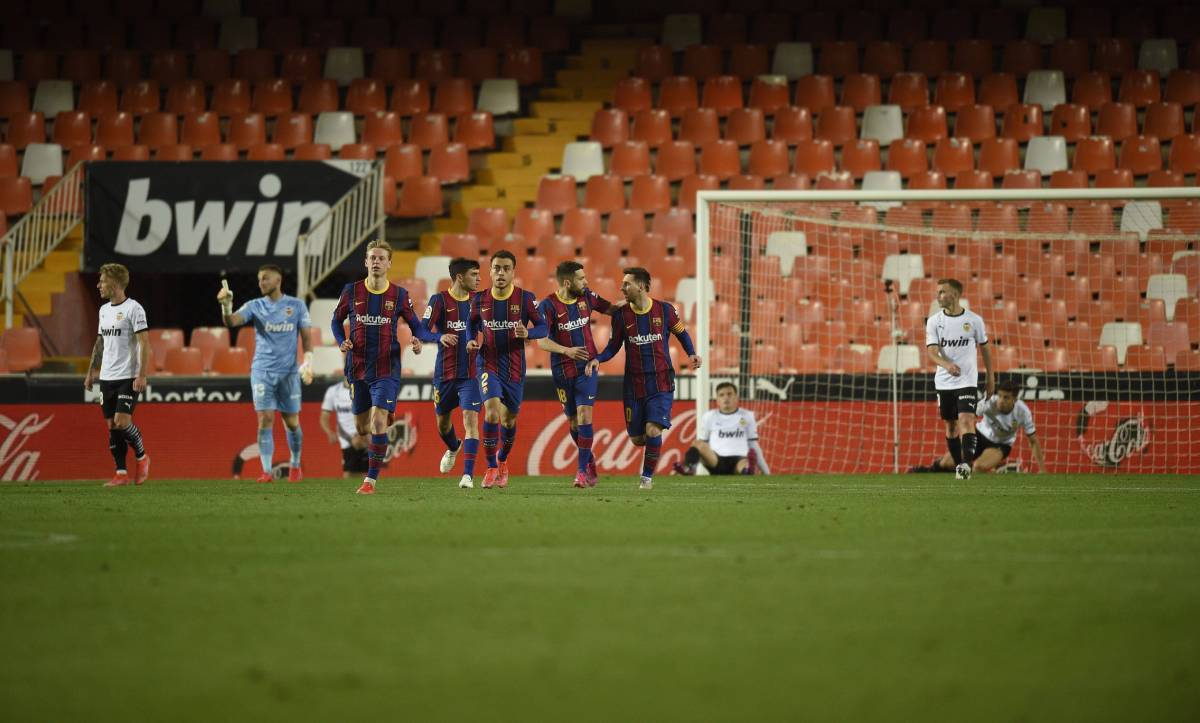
(306, 370)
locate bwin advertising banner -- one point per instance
(200, 216)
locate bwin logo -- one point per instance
(146, 223)
(954, 342)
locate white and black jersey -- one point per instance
(730, 434)
(1000, 427)
(341, 404)
(958, 337)
(119, 326)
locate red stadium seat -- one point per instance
(429, 130)
(187, 361)
(677, 94)
(927, 124)
(1164, 121)
(231, 96)
(975, 123)
(582, 223)
(769, 95)
(931, 57)
(272, 96)
(999, 90)
(724, 93)
(954, 91)
(698, 125)
(135, 153)
(247, 129)
(605, 193)
(267, 152)
(720, 159)
(837, 124)
(448, 162)
(632, 95)
(651, 126)
(997, 156)
(1092, 90)
(410, 97)
(909, 91)
(1022, 122)
(837, 58)
(814, 157)
(402, 162)
(693, 184)
(1072, 122)
(746, 126)
(382, 129)
(629, 159)
(1142, 155)
(1140, 87)
(420, 197)
(536, 225)
(556, 194)
(953, 156)
(677, 160)
(1094, 154)
(861, 157)
(907, 155)
(16, 195)
(792, 125)
(861, 90)
(768, 158)
(1185, 154)
(610, 126)
(1071, 56)
(815, 92)
(1069, 178)
(1117, 121)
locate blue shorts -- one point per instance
(275, 390)
(456, 393)
(576, 392)
(639, 411)
(375, 393)
(510, 393)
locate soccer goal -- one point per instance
(817, 302)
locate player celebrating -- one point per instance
(375, 307)
(642, 326)
(120, 360)
(951, 336)
(278, 321)
(455, 378)
(727, 439)
(1000, 416)
(568, 314)
(503, 315)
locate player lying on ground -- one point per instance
(375, 307)
(120, 360)
(644, 326)
(279, 320)
(951, 338)
(503, 316)
(1000, 416)
(726, 439)
(568, 312)
(455, 376)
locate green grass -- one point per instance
(818, 598)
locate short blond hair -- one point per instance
(117, 273)
(380, 244)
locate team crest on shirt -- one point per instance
(389, 305)
(120, 316)
(656, 322)
(287, 311)
(514, 308)
(582, 307)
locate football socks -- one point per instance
(295, 440)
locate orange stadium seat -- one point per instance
(604, 193)
(450, 163)
(1094, 154)
(96, 97)
(999, 90)
(678, 93)
(610, 126)
(632, 95)
(454, 96)
(459, 244)
(1164, 121)
(677, 160)
(419, 197)
(837, 124)
(723, 93)
(814, 157)
(630, 159)
(746, 126)
(488, 223)
(626, 223)
(698, 125)
(837, 58)
(366, 96)
(556, 194)
(768, 158)
(883, 58)
(382, 129)
(768, 94)
(536, 225)
(907, 155)
(1183, 87)
(954, 91)
(861, 157)
(475, 130)
(231, 361)
(927, 124)
(82, 65)
(720, 159)
(72, 128)
(247, 129)
(953, 156)
(184, 361)
(1142, 155)
(23, 346)
(997, 156)
(651, 126)
(132, 153)
(25, 128)
(410, 97)
(975, 123)
(1117, 121)
(792, 125)
(427, 130)
(691, 185)
(815, 92)
(861, 90)
(1072, 122)
(909, 91)
(1140, 87)
(1092, 90)
(930, 57)
(186, 96)
(1022, 122)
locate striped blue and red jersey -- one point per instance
(501, 352)
(646, 334)
(374, 321)
(570, 325)
(448, 314)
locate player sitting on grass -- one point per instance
(278, 321)
(375, 307)
(120, 360)
(645, 325)
(727, 439)
(455, 378)
(568, 312)
(503, 314)
(1000, 416)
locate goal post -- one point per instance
(814, 303)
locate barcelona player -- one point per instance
(375, 307)
(504, 316)
(455, 378)
(644, 325)
(568, 313)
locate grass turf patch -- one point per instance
(921, 598)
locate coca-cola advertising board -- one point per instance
(206, 429)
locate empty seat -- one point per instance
(381, 130)
(954, 91)
(231, 96)
(53, 97)
(1183, 87)
(247, 129)
(975, 123)
(927, 124)
(610, 126)
(930, 57)
(908, 156)
(680, 31)
(653, 126)
(1164, 121)
(272, 97)
(448, 162)
(952, 156)
(237, 34)
(72, 128)
(632, 95)
(792, 125)
(199, 130)
(1185, 154)
(16, 195)
(1168, 287)
(1045, 88)
(883, 123)
(583, 160)
(1141, 154)
(650, 194)
(629, 159)
(1121, 336)
(698, 125)
(1069, 179)
(1072, 122)
(723, 92)
(556, 194)
(1094, 154)
(400, 162)
(677, 94)
(1117, 121)
(792, 60)
(838, 58)
(604, 193)
(861, 90)
(815, 92)
(768, 158)
(266, 152)
(133, 153)
(720, 159)
(344, 64)
(999, 90)
(903, 269)
(814, 157)
(335, 129)
(909, 91)
(366, 96)
(677, 160)
(901, 358)
(1141, 217)
(1140, 87)
(770, 93)
(419, 197)
(1071, 56)
(1160, 55)
(1022, 122)
(1046, 25)
(861, 157)
(429, 130)
(746, 126)
(41, 161)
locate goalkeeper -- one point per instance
(279, 320)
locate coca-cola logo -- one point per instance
(554, 452)
(16, 462)
(1129, 436)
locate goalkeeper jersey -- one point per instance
(277, 326)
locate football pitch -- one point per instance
(1008, 597)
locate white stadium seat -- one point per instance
(787, 245)
(1161, 54)
(1046, 25)
(1168, 287)
(583, 159)
(884, 123)
(901, 357)
(53, 97)
(792, 60)
(320, 312)
(1046, 154)
(1141, 217)
(328, 361)
(418, 365)
(344, 64)
(335, 129)
(1046, 88)
(42, 160)
(431, 269)
(903, 268)
(499, 96)
(1122, 335)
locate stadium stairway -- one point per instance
(562, 113)
(44, 286)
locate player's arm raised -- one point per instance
(97, 359)
(225, 299)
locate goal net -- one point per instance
(818, 302)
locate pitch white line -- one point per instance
(25, 538)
